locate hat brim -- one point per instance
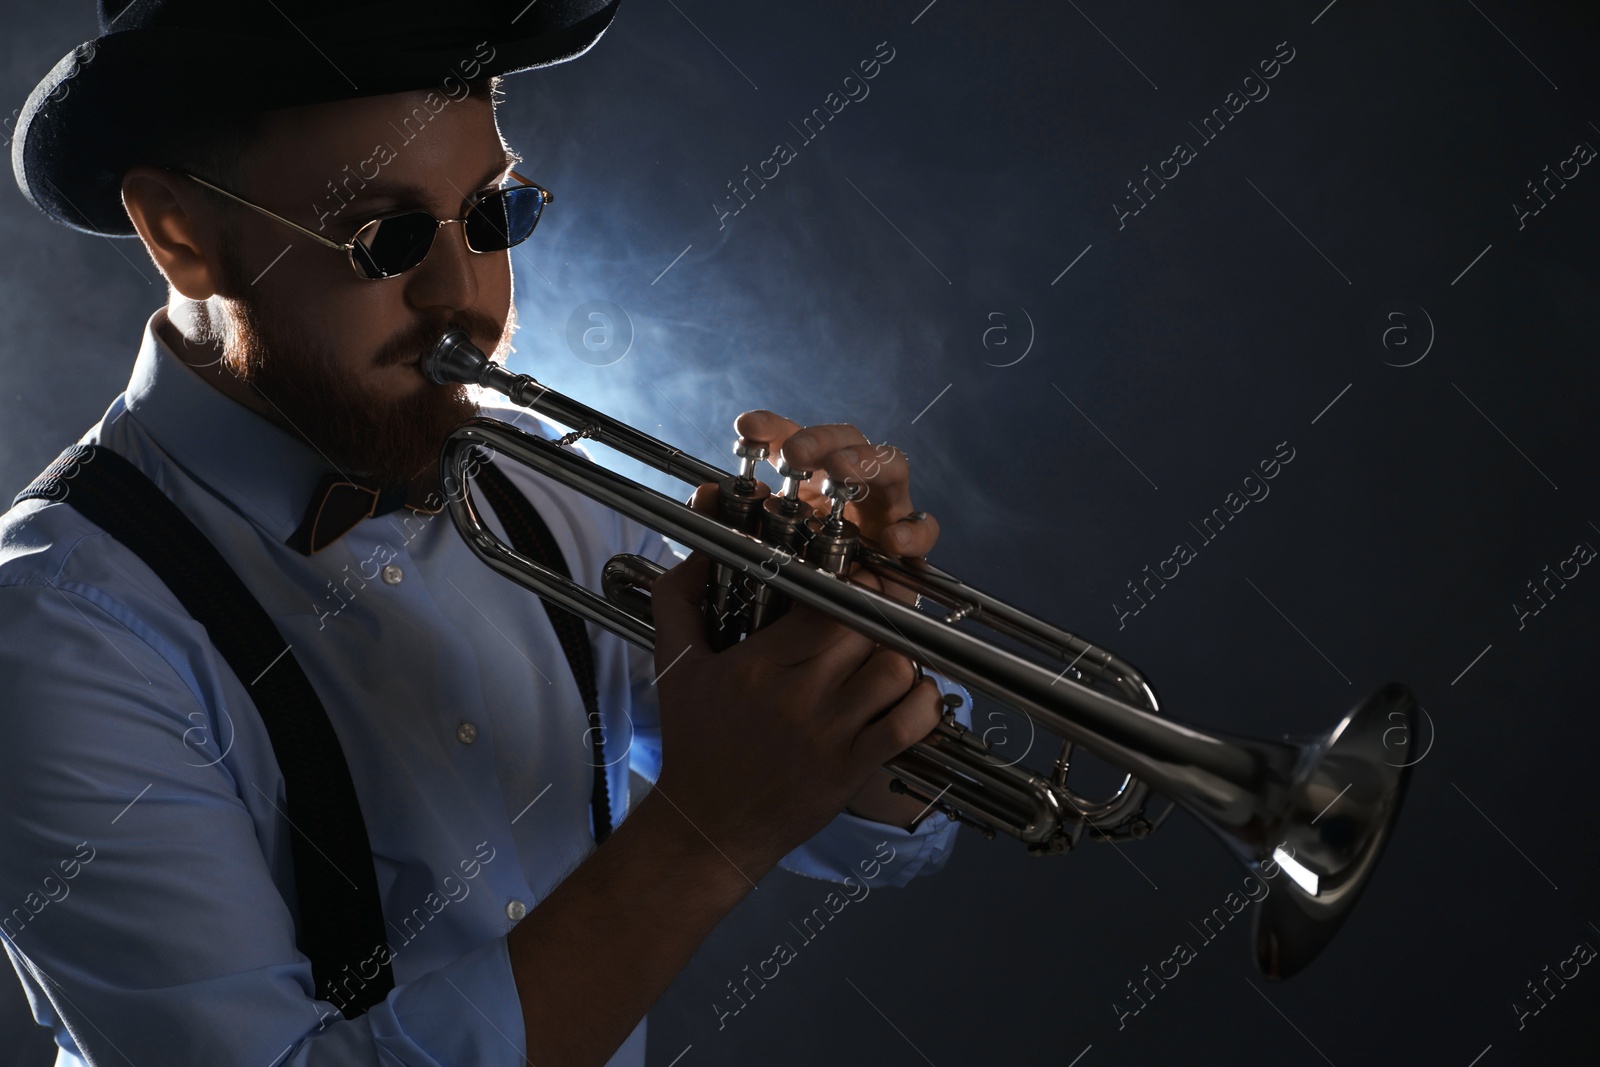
(83, 125)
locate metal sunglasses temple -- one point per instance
(317, 237)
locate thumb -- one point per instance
(676, 600)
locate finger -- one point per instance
(910, 535)
(885, 471)
(882, 477)
(817, 640)
(908, 721)
(884, 678)
(675, 606)
(878, 469)
(808, 447)
(884, 584)
(768, 426)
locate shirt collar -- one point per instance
(262, 471)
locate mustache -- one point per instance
(416, 340)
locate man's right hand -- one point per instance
(762, 744)
(766, 741)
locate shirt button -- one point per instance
(392, 574)
(516, 910)
(466, 733)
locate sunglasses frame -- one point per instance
(349, 247)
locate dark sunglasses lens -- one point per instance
(503, 219)
(389, 246)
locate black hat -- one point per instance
(160, 62)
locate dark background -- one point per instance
(1221, 321)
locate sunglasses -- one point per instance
(393, 244)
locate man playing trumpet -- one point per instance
(423, 742)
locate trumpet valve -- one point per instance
(741, 495)
(740, 500)
(783, 521)
(750, 453)
(789, 491)
(839, 494)
(835, 539)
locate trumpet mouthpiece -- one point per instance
(455, 359)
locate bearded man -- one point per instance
(291, 777)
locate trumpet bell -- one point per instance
(1331, 830)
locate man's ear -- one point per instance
(179, 231)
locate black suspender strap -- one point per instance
(530, 536)
(341, 916)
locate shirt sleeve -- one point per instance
(849, 846)
(135, 899)
(848, 842)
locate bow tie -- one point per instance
(339, 503)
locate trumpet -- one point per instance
(1321, 810)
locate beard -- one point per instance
(327, 402)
